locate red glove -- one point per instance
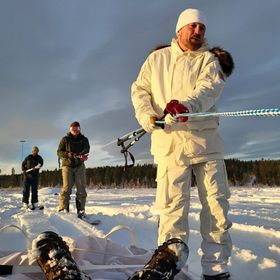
(175, 107)
(84, 157)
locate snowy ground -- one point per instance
(255, 214)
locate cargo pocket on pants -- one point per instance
(162, 195)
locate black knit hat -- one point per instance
(75, 124)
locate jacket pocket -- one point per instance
(161, 143)
(162, 196)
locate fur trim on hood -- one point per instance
(225, 60)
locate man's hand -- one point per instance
(175, 107)
(169, 119)
(149, 124)
(170, 107)
(83, 157)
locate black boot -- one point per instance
(81, 215)
(55, 259)
(80, 212)
(164, 264)
(221, 276)
(78, 205)
(33, 206)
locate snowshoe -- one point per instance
(54, 258)
(88, 219)
(165, 263)
(222, 276)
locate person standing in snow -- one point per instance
(186, 77)
(73, 149)
(30, 167)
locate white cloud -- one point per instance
(68, 61)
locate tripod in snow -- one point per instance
(128, 141)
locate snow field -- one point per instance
(254, 213)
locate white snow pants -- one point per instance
(173, 201)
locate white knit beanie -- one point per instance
(190, 16)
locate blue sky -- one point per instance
(69, 60)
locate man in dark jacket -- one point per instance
(73, 149)
(30, 167)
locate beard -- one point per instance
(195, 43)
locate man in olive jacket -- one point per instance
(73, 149)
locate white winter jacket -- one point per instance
(196, 80)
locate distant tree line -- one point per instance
(257, 172)
(240, 173)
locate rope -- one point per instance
(273, 112)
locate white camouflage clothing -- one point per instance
(195, 79)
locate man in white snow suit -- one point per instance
(187, 77)
(73, 149)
